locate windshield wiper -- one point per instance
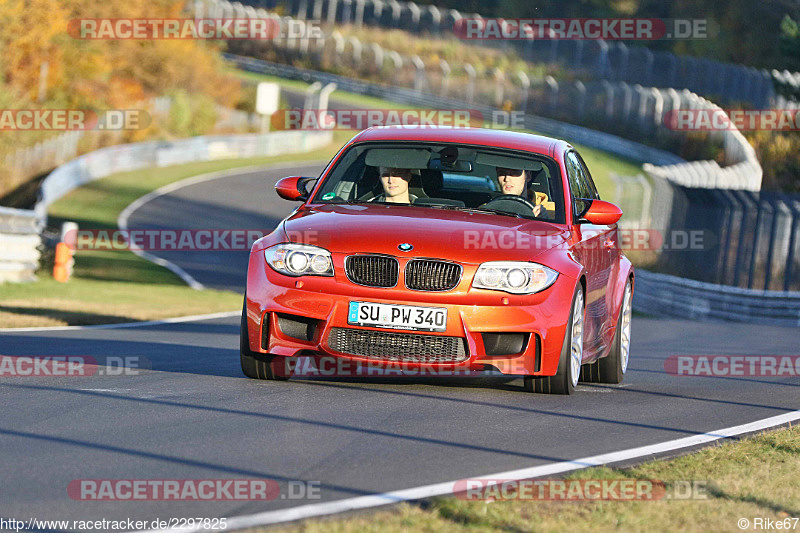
(437, 206)
(475, 210)
(349, 202)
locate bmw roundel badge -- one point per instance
(405, 247)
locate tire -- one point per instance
(590, 373)
(569, 363)
(256, 365)
(612, 368)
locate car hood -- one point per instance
(456, 235)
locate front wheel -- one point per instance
(569, 363)
(256, 365)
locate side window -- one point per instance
(577, 184)
(588, 177)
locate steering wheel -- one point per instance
(511, 203)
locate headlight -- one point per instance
(299, 260)
(514, 277)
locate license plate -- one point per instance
(397, 316)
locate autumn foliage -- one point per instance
(43, 67)
(102, 74)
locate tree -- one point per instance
(790, 39)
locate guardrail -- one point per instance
(616, 102)
(24, 163)
(578, 134)
(610, 60)
(746, 266)
(633, 111)
(19, 229)
(20, 244)
(154, 154)
(671, 296)
(743, 170)
(655, 294)
(744, 239)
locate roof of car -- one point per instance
(514, 140)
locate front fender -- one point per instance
(278, 235)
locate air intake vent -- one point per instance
(431, 275)
(398, 346)
(372, 270)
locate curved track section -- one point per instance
(192, 415)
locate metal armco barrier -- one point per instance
(19, 244)
(578, 134)
(604, 102)
(19, 229)
(671, 296)
(612, 60)
(154, 154)
(745, 239)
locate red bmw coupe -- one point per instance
(442, 249)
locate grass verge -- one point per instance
(118, 286)
(749, 478)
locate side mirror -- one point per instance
(293, 188)
(602, 213)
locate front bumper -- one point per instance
(307, 315)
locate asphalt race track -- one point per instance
(194, 416)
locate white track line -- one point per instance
(122, 220)
(442, 489)
(176, 320)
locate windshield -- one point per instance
(447, 176)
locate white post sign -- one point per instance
(267, 102)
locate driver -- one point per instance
(395, 186)
(515, 181)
